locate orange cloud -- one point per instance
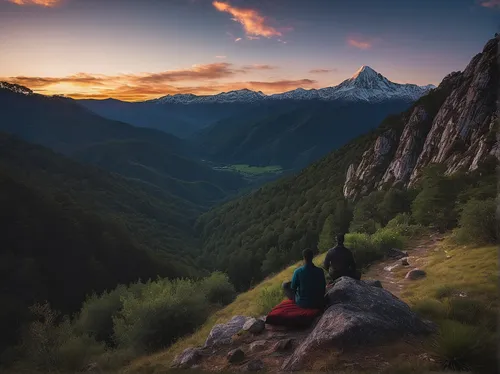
(360, 43)
(237, 39)
(138, 87)
(490, 3)
(321, 71)
(253, 23)
(45, 3)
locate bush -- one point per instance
(431, 309)
(364, 251)
(404, 225)
(477, 224)
(49, 343)
(161, 313)
(218, 289)
(270, 297)
(96, 316)
(387, 238)
(462, 347)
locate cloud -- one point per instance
(359, 42)
(221, 57)
(321, 71)
(252, 21)
(44, 3)
(200, 80)
(237, 39)
(259, 67)
(490, 3)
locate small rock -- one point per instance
(187, 358)
(448, 257)
(255, 365)
(396, 253)
(255, 326)
(404, 262)
(93, 368)
(257, 346)
(235, 356)
(373, 283)
(222, 334)
(283, 345)
(415, 274)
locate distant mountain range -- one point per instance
(365, 85)
(184, 115)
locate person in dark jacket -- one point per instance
(308, 284)
(339, 261)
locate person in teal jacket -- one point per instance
(308, 284)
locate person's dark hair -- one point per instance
(308, 255)
(340, 239)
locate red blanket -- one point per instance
(289, 314)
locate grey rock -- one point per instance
(283, 345)
(415, 274)
(396, 253)
(404, 262)
(255, 326)
(373, 283)
(235, 356)
(359, 315)
(222, 334)
(255, 365)
(187, 358)
(258, 346)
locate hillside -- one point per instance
(289, 214)
(148, 155)
(414, 356)
(70, 229)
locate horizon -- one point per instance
(136, 51)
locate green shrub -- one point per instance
(444, 291)
(404, 225)
(218, 289)
(49, 343)
(96, 316)
(478, 224)
(400, 219)
(270, 297)
(161, 313)
(387, 238)
(431, 309)
(462, 347)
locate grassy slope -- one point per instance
(473, 270)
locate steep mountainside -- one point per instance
(289, 214)
(151, 156)
(457, 130)
(68, 229)
(292, 134)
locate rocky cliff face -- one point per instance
(455, 125)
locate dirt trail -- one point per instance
(391, 272)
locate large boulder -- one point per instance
(222, 334)
(187, 358)
(359, 314)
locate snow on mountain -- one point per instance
(244, 95)
(365, 85)
(16, 88)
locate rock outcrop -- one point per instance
(455, 125)
(359, 314)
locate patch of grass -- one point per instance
(431, 309)
(256, 170)
(269, 297)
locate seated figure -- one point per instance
(339, 261)
(308, 284)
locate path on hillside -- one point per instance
(391, 272)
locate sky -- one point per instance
(141, 49)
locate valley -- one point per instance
(131, 228)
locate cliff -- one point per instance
(455, 125)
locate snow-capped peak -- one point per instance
(243, 95)
(16, 88)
